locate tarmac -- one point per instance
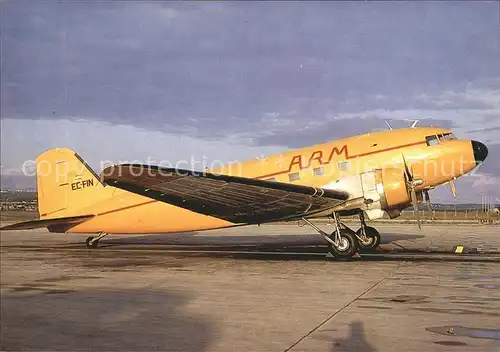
(267, 288)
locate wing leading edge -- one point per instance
(234, 199)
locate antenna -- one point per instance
(413, 122)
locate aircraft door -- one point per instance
(369, 185)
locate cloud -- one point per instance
(237, 79)
(490, 129)
(491, 166)
(314, 132)
(100, 142)
(470, 99)
(215, 69)
(470, 189)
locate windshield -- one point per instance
(435, 140)
(447, 136)
(432, 140)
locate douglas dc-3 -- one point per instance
(368, 175)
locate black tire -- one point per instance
(348, 246)
(90, 244)
(373, 237)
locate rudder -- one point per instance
(65, 184)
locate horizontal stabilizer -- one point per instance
(54, 225)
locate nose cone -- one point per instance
(480, 151)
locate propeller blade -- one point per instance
(414, 198)
(453, 188)
(414, 201)
(411, 185)
(427, 200)
(407, 170)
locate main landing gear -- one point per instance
(368, 237)
(344, 242)
(92, 241)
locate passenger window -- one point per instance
(294, 177)
(319, 171)
(432, 140)
(343, 165)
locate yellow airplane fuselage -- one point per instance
(120, 211)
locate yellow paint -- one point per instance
(459, 249)
(69, 188)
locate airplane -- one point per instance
(368, 175)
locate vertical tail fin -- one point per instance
(65, 184)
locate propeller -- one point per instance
(453, 188)
(427, 199)
(411, 185)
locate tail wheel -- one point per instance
(372, 239)
(347, 246)
(89, 243)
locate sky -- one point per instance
(137, 81)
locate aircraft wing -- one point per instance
(234, 199)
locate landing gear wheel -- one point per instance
(372, 239)
(89, 243)
(347, 246)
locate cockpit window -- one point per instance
(432, 140)
(446, 136)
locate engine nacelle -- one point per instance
(391, 187)
(380, 190)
